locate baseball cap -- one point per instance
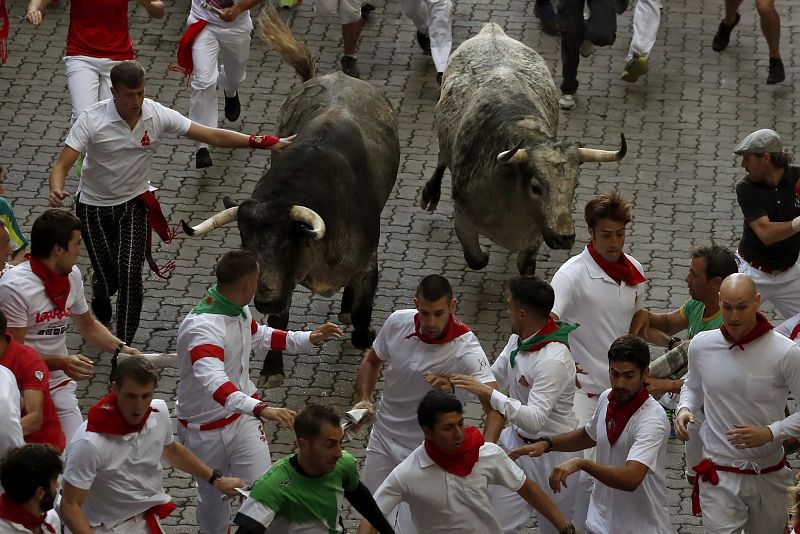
(760, 142)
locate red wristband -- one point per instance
(262, 141)
(260, 406)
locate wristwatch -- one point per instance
(569, 529)
(215, 474)
(673, 341)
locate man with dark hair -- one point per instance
(601, 289)
(303, 492)
(425, 346)
(113, 464)
(741, 375)
(38, 299)
(120, 136)
(537, 370)
(29, 478)
(630, 431)
(218, 410)
(446, 480)
(770, 242)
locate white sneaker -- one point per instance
(587, 48)
(567, 102)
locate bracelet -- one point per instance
(672, 342)
(569, 529)
(262, 141)
(119, 349)
(260, 406)
(215, 474)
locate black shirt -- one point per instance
(780, 204)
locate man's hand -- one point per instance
(56, 198)
(324, 333)
(533, 450)
(440, 382)
(640, 323)
(130, 350)
(660, 386)
(77, 367)
(229, 14)
(228, 485)
(749, 436)
(681, 430)
(276, 148)
(365, 405)
(562, 471)
(282, 416)
(34, 16)
(579, 370)
(471, 384)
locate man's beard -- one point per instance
(48, 501)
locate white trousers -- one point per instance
(238, 450)
(755, 504)
(134, 525)
(646, 19)
(781, 289)
(220, 57)
(382, 456)
(434, 18)
(584, 407)
(69, 414)
(88, 81)
(511, 510)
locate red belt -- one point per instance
(707, 470)
(159, 511)
(213, 425)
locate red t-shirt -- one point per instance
(32, 374)
(99, 28)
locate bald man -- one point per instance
(741, 375)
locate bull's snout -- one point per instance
(268, 307)
(560, 241)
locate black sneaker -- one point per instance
(776, 73)
(424, 42)
(101, 307)
(723, 36)
(544, 11)
(350, 66)
(439, 78)
(232, 107)
(202, 159)
(366, 9)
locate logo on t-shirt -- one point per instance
(39, 375)
(285, 482)
(523, 382)
(52, 315)
(145, 139)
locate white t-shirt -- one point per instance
(243, 22)
(11, 435)
(410, 360)
(586, 295)
(26, 305)
(786, 327)
(119, 159)
(445, 503)
(121, 473)
(541, 387)
(646, 509)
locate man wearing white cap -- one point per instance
(770, 242)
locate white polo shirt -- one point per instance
(122, 474)
(446, 503)
(646, 509)
(787, 326)
(26, 305)
(119, 159)
(410, 360)
(541, 387)
(11, 436)
(585, 294)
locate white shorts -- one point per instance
(349, 11)
(134, 525)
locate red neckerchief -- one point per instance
(156, 221)
(621, 270)
(104, 418)
(795, 331)
(185, 62)
(762, 327)
(548, 328)
(17, 514)
(55, 285)
(454, 329)
(3, 32)
(461, 461)
(619, 413)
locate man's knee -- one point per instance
(204, 77)
(765, 7)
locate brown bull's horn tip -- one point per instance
(188, 230)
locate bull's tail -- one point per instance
(276, 33)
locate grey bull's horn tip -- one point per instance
(589, 155)
(222, 218)
(310, 219)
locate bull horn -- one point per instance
(220, 219)
(589, 155)
(310, 220)
(515, 155)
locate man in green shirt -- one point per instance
(304, 492)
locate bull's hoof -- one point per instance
(363, 339)
(271, 381)
(345, 318)
(428, 200)
(476, 264)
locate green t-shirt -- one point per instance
(286, 501)
(692, 311)
(7, 216)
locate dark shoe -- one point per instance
(439, 78)
(101, 307)
(366, 9)
(723, 36)
(202, 159)
(776, 73)
(424, 42)
(544, 11)
(621, 6)
(350, 66)
(232, 107)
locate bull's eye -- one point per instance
(536, 189)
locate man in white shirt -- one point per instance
(116, 205)
(113, 476)
(601, 289)
(29, 478)
(11, 436)
(424, 346)
(39, 298)
(630, 430)
(537, 370)
(218, 410)
(741, 375)
(445, 481)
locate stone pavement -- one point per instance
(681, 121)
